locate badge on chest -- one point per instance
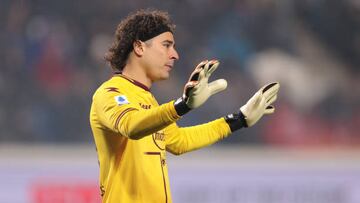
(159, 139)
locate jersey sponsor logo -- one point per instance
(112, 89)
(121, 99)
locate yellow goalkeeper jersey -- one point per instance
(132, 134)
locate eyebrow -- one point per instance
(169, 41)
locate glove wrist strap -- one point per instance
(181, 107)
(236, 121)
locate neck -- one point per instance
(135, 72)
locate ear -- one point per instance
(139, 47)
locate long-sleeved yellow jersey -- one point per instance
(132, 134)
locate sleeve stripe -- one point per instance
(121, 115)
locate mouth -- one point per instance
(170, 66)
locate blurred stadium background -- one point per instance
(51, 61)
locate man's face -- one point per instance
(159, 56)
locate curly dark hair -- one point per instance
(141, 25)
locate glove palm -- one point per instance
(197, 90)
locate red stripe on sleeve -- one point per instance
(121, 115)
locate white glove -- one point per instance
(197, 90)
(255, 108)
(260, 103)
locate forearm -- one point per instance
(195, 137)
(137, 124)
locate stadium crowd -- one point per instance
(51, 55)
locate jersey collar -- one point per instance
(139, 84)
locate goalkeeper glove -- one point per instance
(197, 90)
(255, 108)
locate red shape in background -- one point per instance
(64, 192)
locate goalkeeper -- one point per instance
(132, 132)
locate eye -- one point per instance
(167, 45)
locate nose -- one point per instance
(174, 55)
